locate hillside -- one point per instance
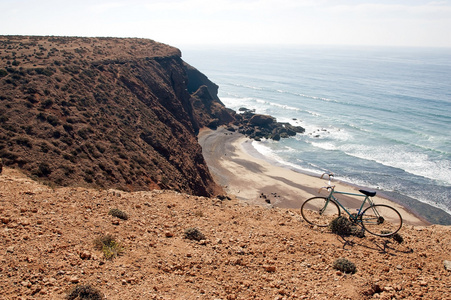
(105, 112)
(47, 249)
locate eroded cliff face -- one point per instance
(103, 112)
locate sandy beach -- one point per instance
(245, 173)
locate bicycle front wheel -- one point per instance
(381, 220)
(320, 211)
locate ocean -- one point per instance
(376, 117)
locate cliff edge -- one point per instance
(104, 112)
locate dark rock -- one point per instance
(261, 120)
(258, 126)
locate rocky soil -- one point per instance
(47, 249)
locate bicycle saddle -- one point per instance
(368, 193)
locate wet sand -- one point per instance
(245, 173)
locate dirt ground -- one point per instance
(249, 252)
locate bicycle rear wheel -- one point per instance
(319, 211)
(381, 220)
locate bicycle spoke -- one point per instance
(319, 211)
(381, 220)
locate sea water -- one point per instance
(376, 117)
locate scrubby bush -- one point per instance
(194, 234)
(344, 265)
(109, 246)
(341, 226)
(115, 212)
(53, 120)
(24, 141)
(43, 170)
(81, 292)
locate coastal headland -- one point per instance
(245, 173)
(99, 143)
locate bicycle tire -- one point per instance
(311, 211)
(381, 220)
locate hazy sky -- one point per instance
(181, 22)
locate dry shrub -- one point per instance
(82, 292)
(194, 234)
(109, 246)
(118, 213)
(341, 226)
(345, 265)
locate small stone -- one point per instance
(447, 265)
(36, 290)
(423, 283)
(24, 223)
(5, 220)
(399, 267)
(10, 249)
(270, 269)
(397, 288)
(168, 234)
(85, 255)
(115, 222)
(26, 283)
(52, 281)
(131, 280)
(74, 279)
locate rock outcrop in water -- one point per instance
(258, 126)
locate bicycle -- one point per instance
(378, 219)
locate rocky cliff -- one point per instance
(105, 112)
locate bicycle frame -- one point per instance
(360, 210)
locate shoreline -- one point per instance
(254, 179)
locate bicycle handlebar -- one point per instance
(329, 185)
(328, 174)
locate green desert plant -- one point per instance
(109, 246)
(341, 226)
(81, 292)
(194, 234)
(115, 212)
(344, 265)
